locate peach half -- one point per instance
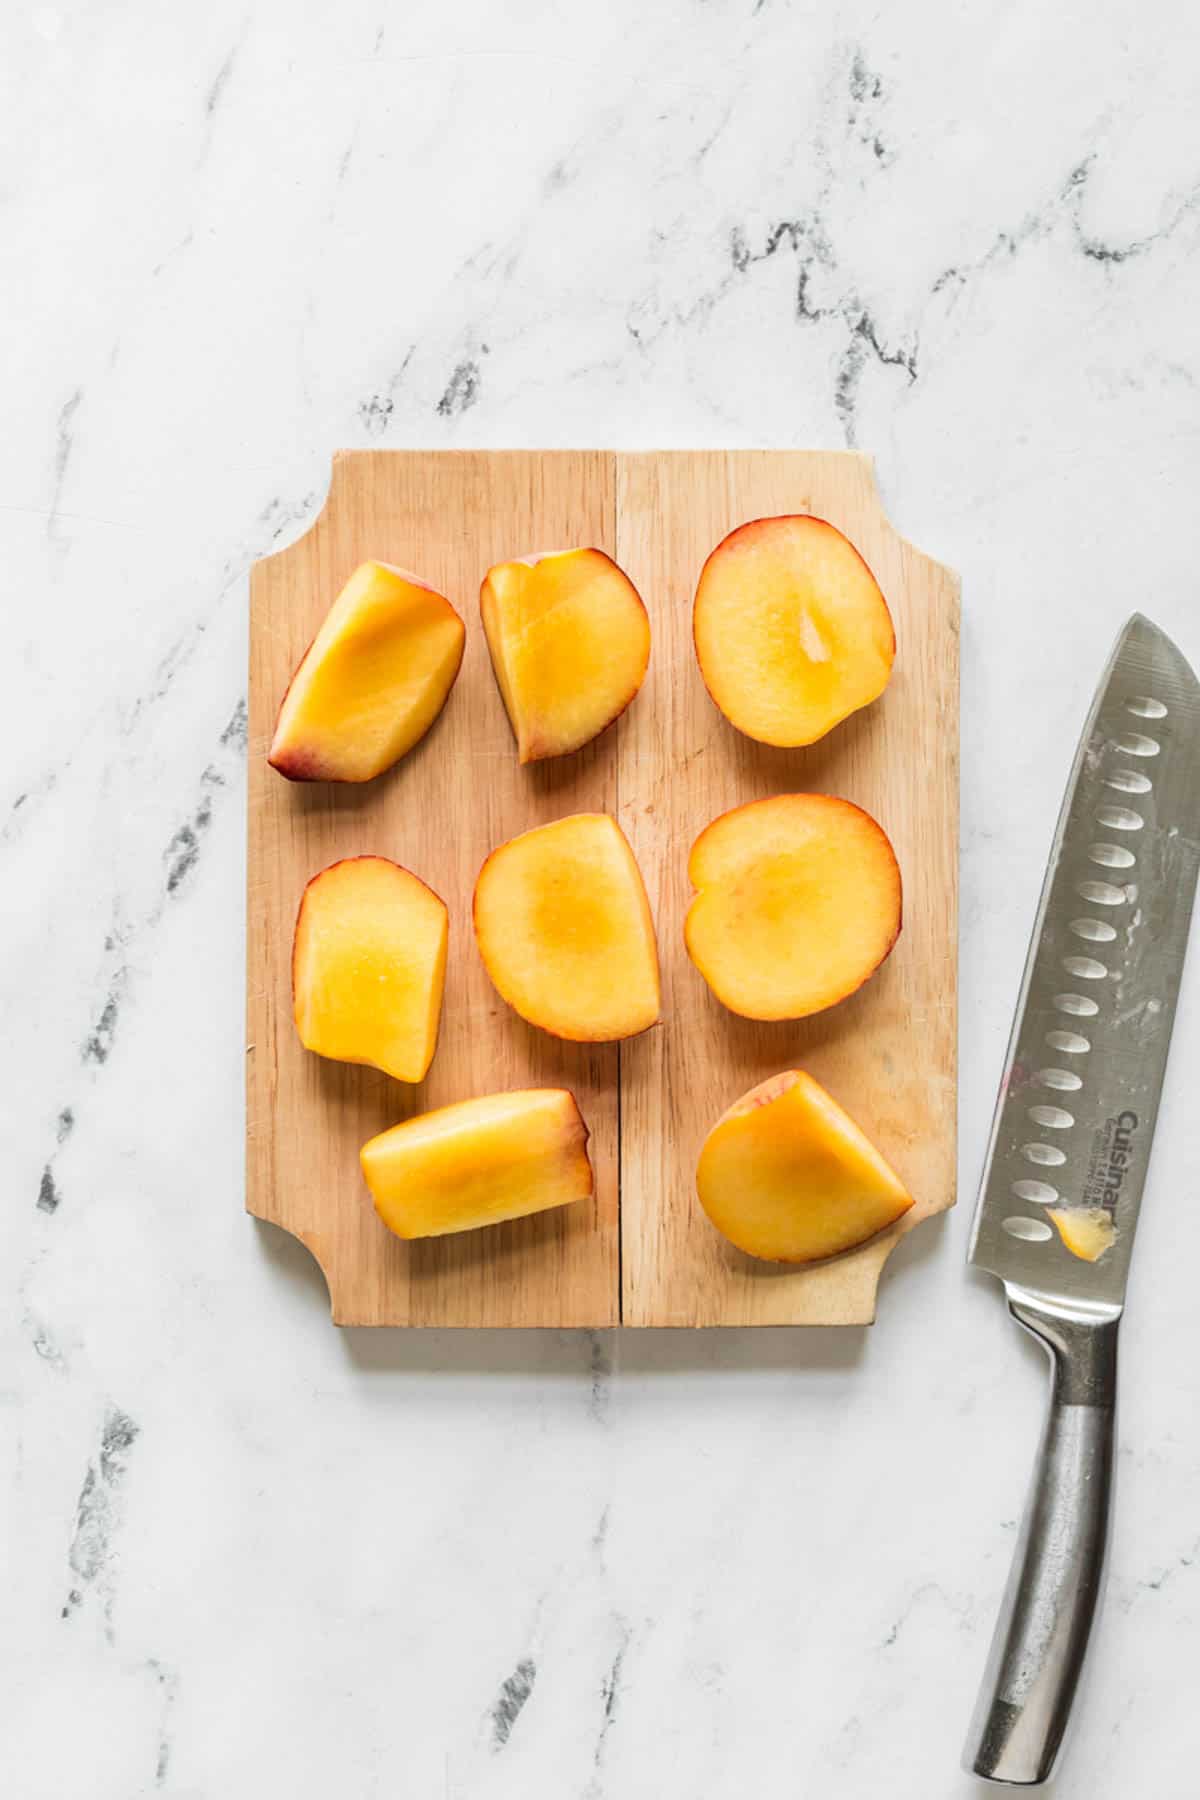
(570, 644)
(369, 965)
(799, 902)
(792, 633)
(479, 1162)
(786, 1175)
(564, 929)
(372, 681)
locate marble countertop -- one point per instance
(247, 1554)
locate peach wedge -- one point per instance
(564, 929)
(788, 1176)
(798, 903)
(792, 633)
(368, 966)
(372, 681)
(570, 643)
(479, 1162)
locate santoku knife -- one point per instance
(1068, 1154)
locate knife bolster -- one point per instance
(1082, 1344)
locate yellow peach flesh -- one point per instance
(479, 1162)
(798, 902)
(786, 1175)
(564, 929)
(369, 965)
(570, 642)
(792, 633)
(373, 680)
(1087, 1231)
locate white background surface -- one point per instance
(246, 1555)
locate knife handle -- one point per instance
(1057, 1575)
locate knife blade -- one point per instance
(1069, 1151)
(1085, 1063)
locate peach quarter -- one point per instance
(479, 1162)
(786, 1175)
(372, 681)
(369, 966)
(565, 931)
(569, 640)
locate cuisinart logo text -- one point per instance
(1112, 1153)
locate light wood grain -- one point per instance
(438, 812)
(668, 766)
(888, 1053)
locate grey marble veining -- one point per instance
(249, 1555)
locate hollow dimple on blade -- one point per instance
(1100, 985)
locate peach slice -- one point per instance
(368, 966)
(792, 633)
(570, 644)
(564, 929)
(786, 1175)
(1087, 1231)
(479, 1162)
(372, 681)
(798, 903)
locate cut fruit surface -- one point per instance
(372, 681)
(788, 1176)
(479, 1162)
(799, 902)
(792, 633)
(1087, 1231)
(369, 965)
(564, 929)
(570, 643)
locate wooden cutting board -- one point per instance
(641, 1253)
